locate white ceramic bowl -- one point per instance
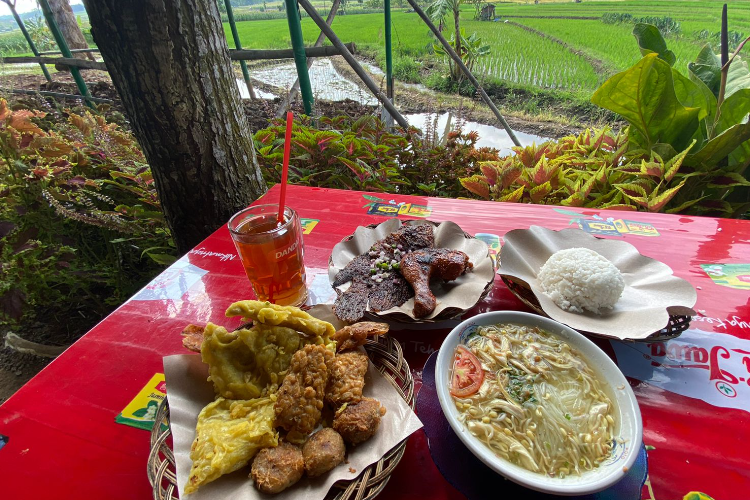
(627, 414)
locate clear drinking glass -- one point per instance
(271, 253)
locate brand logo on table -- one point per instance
(391, 208)
(609, 226)
(729, 275)
(712, 367)
(308, 225)
(291, 248)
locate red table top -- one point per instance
(64, 442)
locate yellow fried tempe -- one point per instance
(300, 398)
(352, 336)
(227, 437)
(346, 378)
(248, 363)
(287, 316)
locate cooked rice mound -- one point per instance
(578, 278)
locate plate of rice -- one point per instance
(594, 285)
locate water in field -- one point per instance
(258, 92)
(326, 82)
(489, 136)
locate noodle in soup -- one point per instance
(540, 406)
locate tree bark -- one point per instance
(66, 21)
(169, 61)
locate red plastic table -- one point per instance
(63, 441)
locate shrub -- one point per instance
(80, 214)
(406, 70)
(362, 154)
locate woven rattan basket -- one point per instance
(447, 313)
(387, 356)
(677, 323)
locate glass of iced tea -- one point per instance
(271, 253)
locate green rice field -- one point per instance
(568, 53)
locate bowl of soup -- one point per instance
(538, 403)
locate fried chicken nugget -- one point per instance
(346, 378)
(352, 336)
(300, 398)
(358, 422)
(323, 451)
(276, 469)
(286, 316)
(192, 337)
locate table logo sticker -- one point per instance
(3, 440)
(173, 283)
(731, 275)
(610, 226)
(494, 242)
(714, 368)
(391, 208)
(141, 411)
(308, 225)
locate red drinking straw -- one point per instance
(285, 167)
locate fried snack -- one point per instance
(276, 469)
(346, 378)
(192, 337)
(423, 265)
(227, 437)
(286, 316)
(300, 398)
(248, 363)
(323, 451)
(358, 422)
(353, 336)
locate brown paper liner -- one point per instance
(454, 297)
(651, 292)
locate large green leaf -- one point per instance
(689, 94)
(710, 100)
(719, 147)
(645, 96)
(707, 67)
(650, 41)
(738, 77)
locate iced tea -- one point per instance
(271, 253)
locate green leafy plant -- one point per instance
(701, 116)
(470, 49)
(363, 154)
(83, 228)
(588, 170)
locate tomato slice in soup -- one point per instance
(467, 374)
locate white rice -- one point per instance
(579, 278)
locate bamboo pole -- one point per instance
(63, 45)
(256, 54)
(388, 50)
(31, 43)
(238, 46)
(286, 103)
(465, 70)
(298, 45)
(353, 63)
(71, 62)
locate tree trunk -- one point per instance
(68, 25)
(169, 61)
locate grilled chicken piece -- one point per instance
(351, 304)
(421, 266)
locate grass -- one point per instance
(521, 57)
(613, 44)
